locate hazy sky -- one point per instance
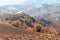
(21, 2)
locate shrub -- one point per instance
(29, 28)
(16, 23)
(37, 27)
(45, 30)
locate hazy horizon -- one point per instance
(27, 2)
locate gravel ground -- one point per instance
(27, 37)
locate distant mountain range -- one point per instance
(4, 12)
(21, 7)
(49, 11)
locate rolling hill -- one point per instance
(9, 29)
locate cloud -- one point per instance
(11, 2)
(27, 2)
(53, 1)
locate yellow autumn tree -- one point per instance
(16, 23)
(29, 29)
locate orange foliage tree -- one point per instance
(45, 30)
(37, 26)
(16, 23)
(49, 30)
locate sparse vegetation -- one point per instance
(26, 22)
(32, 25)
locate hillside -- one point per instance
(9, 29)
(9, 32)
(30, 22)
(43, 12)
(56, 25)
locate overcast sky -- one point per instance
(21, 2)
